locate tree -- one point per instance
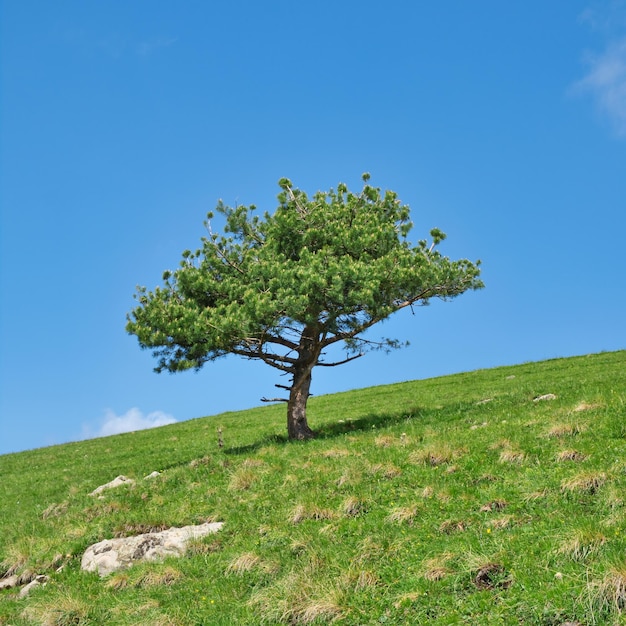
(285, 287)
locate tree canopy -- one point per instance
(284, 287)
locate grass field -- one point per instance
(456, 500)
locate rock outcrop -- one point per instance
(27, 581)
(111, 555)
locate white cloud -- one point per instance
(606, 82)
(133, 419)
(605, 17)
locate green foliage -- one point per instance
(403, 511)
(319, 270)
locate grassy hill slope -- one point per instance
(457, 500)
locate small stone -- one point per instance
(547, 396)
(116, 482)
(152, 475)
(9, 582)
(36, 582)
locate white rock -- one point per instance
(547, 396)
(9, 582)
(112, 555)
(116, 482)
(152, 475)
(36, 582)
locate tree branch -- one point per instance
(264, 399)
(271, 359)
(301, 211)
(347, 360)
(427, 293)
(221, 254)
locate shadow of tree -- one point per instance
(366, 422)
(334, 429)
(252, 447)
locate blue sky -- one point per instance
(123, 123)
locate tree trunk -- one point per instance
(297, 426)
(308, 354)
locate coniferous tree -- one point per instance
(283, 288)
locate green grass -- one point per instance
(419, 503)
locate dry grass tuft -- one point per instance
(324, 610)
(67, 611)
(349, 477)
(403, 515)
(588, 482)
(427, 492)
(297, 599)
(386, 470)
(243, 563)
(436, 568)
(100, 510)
(565, 430)
(485, 478)
(405, 598)
(385, 441)
(512, 456)
(242, 479)
(365, 580)
(494, 505)
(444, 497)
(205, 460)
(252, 463)
(159, 577)
(118, 581)
(202, 546)
(369, 549)
(501, 444)
(586, 406)
(450, 526)
(535, 495)
(436, 573)
(434, 455)
(570, 455)
(313, 512)
(298, 514)
(335, 453)
(581, 544)
(492, 576)
(13, 562)
(504, 521)
(162, 577)
(609, 594)
(353, 506)
(55, 510)
(298, 546)
(358, 580)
